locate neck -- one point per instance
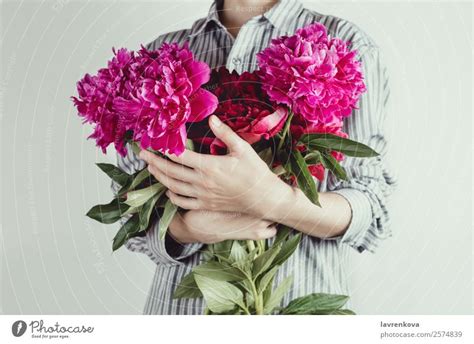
(235, 13)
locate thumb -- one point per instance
(223, 132)
(267, 233)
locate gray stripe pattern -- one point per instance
(318, 264)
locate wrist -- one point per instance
(280, 198)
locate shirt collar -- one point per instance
(282, 12)
(212, 17)
(278, 15)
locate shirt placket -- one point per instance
(239, 58)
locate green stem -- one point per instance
(135, 147)
(285, 130)
(246, 310)
(258, 299)
(250, 245)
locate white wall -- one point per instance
(55, 260)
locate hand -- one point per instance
(210, 227)
(239, 181)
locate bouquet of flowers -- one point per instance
(291, 111)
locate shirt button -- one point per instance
(236, 60)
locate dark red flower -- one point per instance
(243, 107)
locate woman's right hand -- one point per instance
(210, 227)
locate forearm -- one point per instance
(289, 206)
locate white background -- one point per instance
(55, 260)
(365, 329)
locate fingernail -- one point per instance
(216, 121)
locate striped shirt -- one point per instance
(318, 265)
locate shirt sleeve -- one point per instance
(369, 180)
(164, 252)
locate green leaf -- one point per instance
(115, 173)
(220, 296)
(336, 312)
(337, 143)
(165, 219)
(237, 253)
(219, 272)
(132, 210)
(247, 264)
(207, 255)
(146, 210)
(305, 180)
(249, 297)
(123, 190)
(287, 249)
(108, 213)
(190, 144)
(315, 304)
(234, 311)
(139, 197)
(187, 288)
(139, 178)
(130, 227)
(267, 279)
(282, 233)
(267, 293)
(264, 261)
(135, 147)
(247, 286)
(313, 158)
(266, 155)
(222, 248)
(333, 165)
(277, 295)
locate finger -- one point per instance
(147, 156)
(267, 223)
(183, 202)
(265, 233)
(189, 158)
(223, 132)
(172, 184)
(174, 170)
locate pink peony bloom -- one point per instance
(168, 96)
(319, 78)
(148, 95)
(96, 96)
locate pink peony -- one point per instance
(149, 94)
(319, 78)
(96, 96)
(168, 96)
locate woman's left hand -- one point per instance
(239, 181)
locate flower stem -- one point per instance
(135, 147)
(285, 130)
(250, 245)
(258, 299)
(246, 310)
